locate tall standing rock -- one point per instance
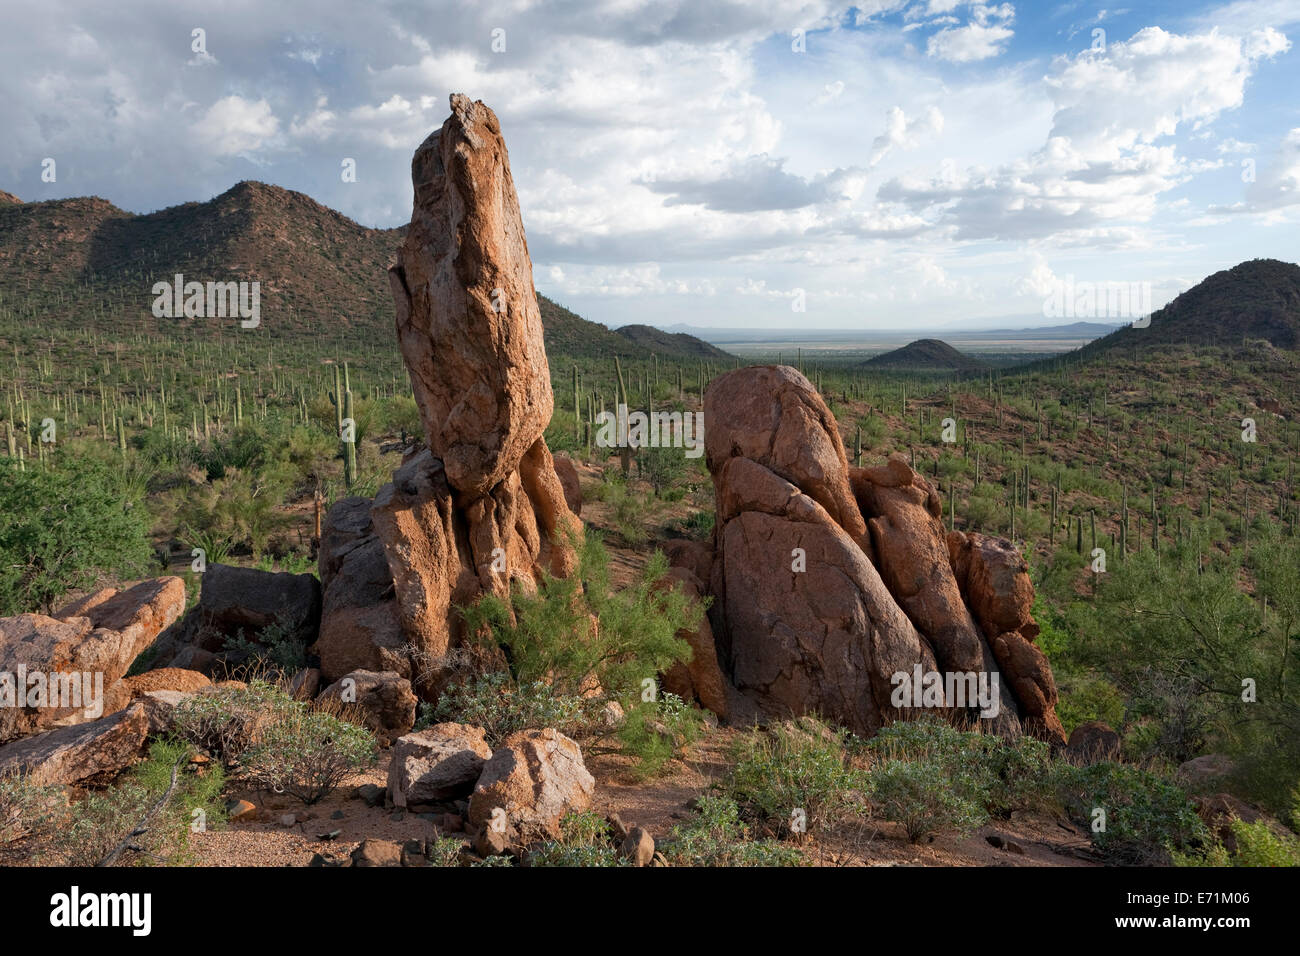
(482, 508)
(467, 317)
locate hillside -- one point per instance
(317, 268)
(1257, 299)
(925, 355)
(678, 344)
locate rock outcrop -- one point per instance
(468, 322)
(482, 507)
(436, 765)
(533, 778)
(67, 669)
(829, 584)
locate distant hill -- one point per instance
(318, 269)
(678, 344)
(1257, 299)
(925, 355)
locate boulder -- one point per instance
(246, 601)
(1092, 742)
(138, 613)
(638, 847)
(994, 580)
(175, 679)
(535, 777)
(436, 765)
(56, 671)
(468, 322)
(360, 627)
(384, 698)
(430, 568)
(1205, 772)
(699, 679)
(568, 475)
(773, 416)
(811, 626)
(911, 552)
(377, 853)
(80, 753)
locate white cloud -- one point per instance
(233, 125)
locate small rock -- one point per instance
(453, 823)
(240, 810)
(639, 847)
(371, 794)
(288, 819)
(612, 715)
(491, 841)
(1016, 848)
(337, 815)
(377, 853)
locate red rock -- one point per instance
(467, 316)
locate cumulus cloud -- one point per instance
(1101, 161)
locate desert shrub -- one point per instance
(502, 706)
(919, 795)
(307, 753)
(548, 638)
(718, 836)
(225, 720)
(89, 830)
(444, 851)
(1146, 819)
(657, 731)
(1256, 845)
(585, 840)
(663, 467)
(995, 774)
(64, 525)
(796, 765)
(26, 807)
(276, 648)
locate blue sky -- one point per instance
(903, 163)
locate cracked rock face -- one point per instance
(829, 581)
(482, 507)
(467, 317)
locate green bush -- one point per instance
(717, 836)
(308, 754)
(919, 795)
(796, 765)
(87, 831)
(657, 731)
(1146, 819)
(501, 706)
(585, 840)
(26, 807)
(225, 720)
(64, 525)
(1256, 845)
(554, 652)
